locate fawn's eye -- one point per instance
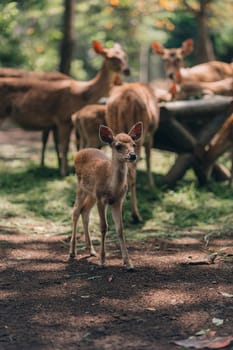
(118, 146)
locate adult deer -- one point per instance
(86, 125)
(174, 64)
(39, 105)
(104, 182)
(47, 76)
(128, 104)
(202, 88)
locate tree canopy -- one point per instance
(31, 31)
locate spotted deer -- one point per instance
(38, 105)
(103, 181)
(174, 65)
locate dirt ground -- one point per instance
(48, 302)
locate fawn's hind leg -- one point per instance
(88, 205)
(76, 213)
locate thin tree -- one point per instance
(203, 46)
(67, 44)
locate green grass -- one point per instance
(34, 199)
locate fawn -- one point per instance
(104, 181)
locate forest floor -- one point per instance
(177, 290)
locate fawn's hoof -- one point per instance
(93, 253)
(72, 256)
(131, 269)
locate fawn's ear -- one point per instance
(158, 48)
(98, 47)
(187, 47)
(106, 134)
(136, 131)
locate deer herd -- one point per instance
(56, 102)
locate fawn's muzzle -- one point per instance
(132, 157)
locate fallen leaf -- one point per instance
(227, 295)
(110, 278)
(217, 321)
(203, 331)
(205, 341)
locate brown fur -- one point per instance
(47, 76)
(174, 63)
(38, 105)
(189, 89)
(86, 124)
(128, 104)
(104, 181)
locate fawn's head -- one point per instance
(115, 56)
(173, 58)
(123, 145)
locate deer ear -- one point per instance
(158, 48)
(136, 131)
(98, 47)
(106, 134)
(187, 47)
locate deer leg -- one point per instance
(231, 177)
(64, 131)
(55, 139)
(76, 214)
(148, 146)
(78, 207)
(133, 197)
(102, 209)
(89, 203)
(45, 135)
(117, 218)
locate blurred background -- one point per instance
(48, 35)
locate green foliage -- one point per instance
(10, 54)
(31, 31)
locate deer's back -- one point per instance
(210, 71)
(129, 104)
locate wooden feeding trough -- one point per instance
(186, 127)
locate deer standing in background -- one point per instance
(104, 182)
(39, 105)
(174, 65)
(47, 76)
(86, 125)
(127, 105)
(221, 142)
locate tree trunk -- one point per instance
(67, 44)
(204, 48)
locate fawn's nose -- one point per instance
(132, 157)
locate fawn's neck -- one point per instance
(119, 175)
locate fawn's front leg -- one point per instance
(102, 209)
(117, 218)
